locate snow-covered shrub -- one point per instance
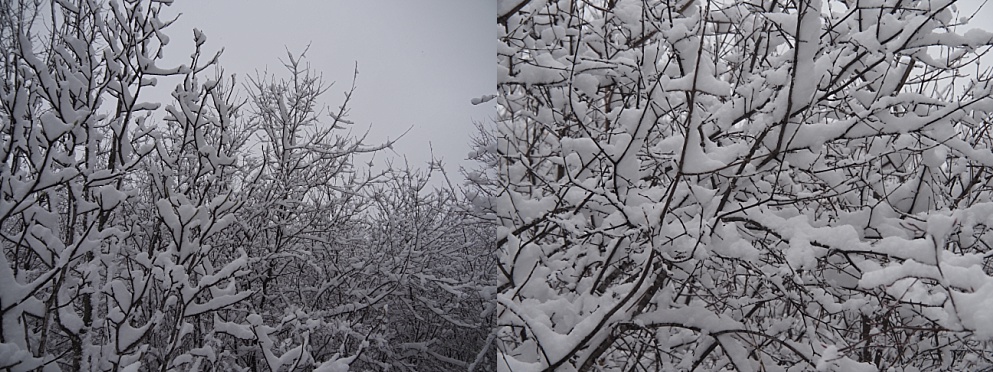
(759, 185)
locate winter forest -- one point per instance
(229, 227)
(665, 185)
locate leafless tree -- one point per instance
(759, 185)
(212, 232)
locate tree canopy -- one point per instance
(209, 231)
(762, 185)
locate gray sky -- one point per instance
(420, 62)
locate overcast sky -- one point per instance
(983, 19)
(420, 62)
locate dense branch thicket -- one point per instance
(211, 232)
(759, 185)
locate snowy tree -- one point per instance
(760, 185)
(375, 266)
(440, 257)
(211, 232)
(112, 219)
